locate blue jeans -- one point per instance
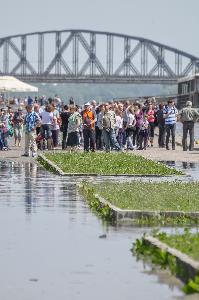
(1, 141)
(110, 140)
(46, 131)
(170, 130)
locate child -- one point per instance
(144, 133)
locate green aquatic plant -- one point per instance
(151, 196)
(142, 249)
(124, 196)
(187, 242)
(192, 286)
(102, 210)
(108, 164)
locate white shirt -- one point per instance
(46, 117)
(131, 119)
(119, 121)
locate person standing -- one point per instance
(88, 120)
(150, 111)
(74, 122)
(18, 121)
(64, 115)
(5, 128)
(119, 127)
(98, 128)
(144, 133)
(46, 123)
(55, 126)
(161, 126)
(30, 121)
(108, 125)
(139, 116)
(188, 116)
(170, 113)
(130, 126)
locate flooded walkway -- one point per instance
(50, 246)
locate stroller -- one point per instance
(39, 141)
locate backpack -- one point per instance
(106, 123)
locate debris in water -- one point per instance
(33, 279)
(103, 236)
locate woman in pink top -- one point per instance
(151, 119)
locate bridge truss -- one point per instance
(92, 56)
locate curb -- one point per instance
(126, 215)
(189, 265)
(52, 166)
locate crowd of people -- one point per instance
(108, 126)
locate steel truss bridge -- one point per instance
(92, 56)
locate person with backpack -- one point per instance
(88, 121)
(74, 122)
(108, 131)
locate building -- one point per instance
(188, 89)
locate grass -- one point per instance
(187, 243)
(162, 196)
(109, 164)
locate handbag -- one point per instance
(10, 131)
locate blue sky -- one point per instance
(171, 22)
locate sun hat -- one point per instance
(188, 103)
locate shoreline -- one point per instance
(154, 153)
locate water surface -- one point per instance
(50, 246)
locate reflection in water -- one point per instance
(181, 165)
(170, 163)
(188, 165)
(59, 245)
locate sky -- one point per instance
(171, 22)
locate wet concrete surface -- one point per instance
(50, 245)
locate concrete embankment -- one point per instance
(189, 266)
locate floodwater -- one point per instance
(189, 168)
(50, 245)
